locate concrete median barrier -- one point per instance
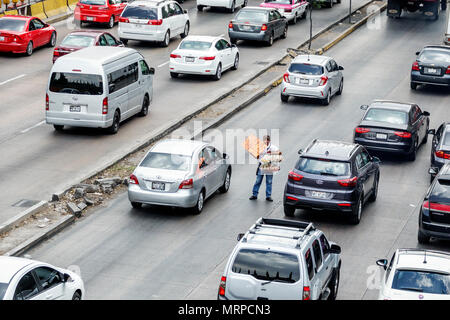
(37, 10)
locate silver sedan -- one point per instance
(179, 173)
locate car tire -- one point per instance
(136, 205)
(116, 123)
(284, 97)
(218, 74)
(413, 85)
(373, 196)
(334, 284)
(327, 99)
(174, 75)
(145, 105)
(76, 296)
(270, 40)
(413, 154)
(111, 22)
(30, 48)
(52, 41)
(236, 62)
(166, 41)
(58, 127)
(289, 211)
(284, 35)
(233, 7)
(186, 30)
(198, 208)
(422, 238)
(200, 8)
(226, 183)
(355, 217)
(124, 41)
(341, 87)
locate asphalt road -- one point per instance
(37, 161)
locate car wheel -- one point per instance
(174, 75)
(413, 154)
(58, 127)
(124, 41)
(413, 85)
(29, 51)
(111, 22)
(199, 205)
(422, 238)
(76, 296)
(357, 211)
(136, 205)
(186, 30)
(166, 40)
(218, 74)
(289, 211)
(284, 97)
(226, 183)
(270, 41)
(373, 196)
(236, 62)
(334, 284)
(200, 8)
(145, 105)
(327, 99)
(341, 87)
(284, 35)
(233, 7)
(116, 123)
(52, 41)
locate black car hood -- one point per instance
(367, 123)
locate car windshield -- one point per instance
(94, 2)
(323, 166)
(12, 24)
(140, 12)
(279, 1)
(386, 115)
(195, 45)
(267, 265)
(254, 16)
(441, 191)
(421, 281)
(167, 161)
(78, 41)
(76, 83)
(434, 55)
(306, 68)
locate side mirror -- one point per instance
(185, 11)
(225, 156)
(364, 107)
(417, 53)
(152, 71)
(300, 151)
(426, 113)
(433, 171)
(240, 236)
(335, 249)
(431, 131)
(66, 277)
(382, 263)
(376, 160)
(341, 68)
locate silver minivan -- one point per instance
(98, 87)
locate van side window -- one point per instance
(123, 77)
(144, 68)
(309, 264)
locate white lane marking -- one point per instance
(163, 64)
(12, 79)
(32, 127)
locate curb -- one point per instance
(17, 219)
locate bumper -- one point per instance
(303, 92)
(435, 230)
(239, 35)
(416, 77)
(100, 18)
(130, 35)
(61, 118)
(385, 146)
(318, 204)
(184, 198)
(189, 68)
(13, 47)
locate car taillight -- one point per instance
(441, 154)
(230, 25)
(263, 27)
(448, 70)
(348, 182)
(47, 104)
(186, 184)
(361, 130)
(207, 58)
(294, 176)
(306, 293)
(436, 206)
(323, 80)
(403, 134)
(415, 66)
(133, 179)
(105, 106)
(124, 20)
(222, 286)
(174, 56)
(56, 53)
(287, 10)
(286, 78)
(155, 22)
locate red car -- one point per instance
(99, 11)
(77, 40)
(22, 34)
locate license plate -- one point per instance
(158, 186)
(190, 59)
(90, 18)
(246, 28)
(75, 109)
(381, 136)
(318, 194)
(2, 38)
(431, 70)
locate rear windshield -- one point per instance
(78, 41)
(167, 161)
(140, 12)
(94, 2)
(323, 167)
(280, 1)
(12, 24)
(385, 115)
(435, 55)
(267, 265)
(252, 16)
(303, 68)
(421, 281)
(76, 83)
(3, 287)
(195, 45)
(441, 191)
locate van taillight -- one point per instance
(123, 20)
(155, 22)
(222, 286)
(105, 106)
(133, 179)
(46, 102)
(306, 293)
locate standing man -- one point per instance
(270, 149)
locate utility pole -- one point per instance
(310, 6)
(350, 13)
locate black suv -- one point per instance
(332, 175)
(434, 216)
(440, 148)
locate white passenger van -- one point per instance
(98, 87)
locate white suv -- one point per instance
(282, 260)
(416, 274)
(227, 4)
(151, 20)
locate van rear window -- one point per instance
(267, 265)
(76, 83)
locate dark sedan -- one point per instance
(389, 126)
(440, 148)
(432, 66)
(77, 40)
(259, 24)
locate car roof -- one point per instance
(9, 266)
(178, 146)
(330, 149)
(311, 58)
(388, 104)
(19, 17)
(202, 38)
(93, 33)
(257, 8)
(414, 259)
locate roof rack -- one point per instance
(303, 227)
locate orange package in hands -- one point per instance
(254, 146)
